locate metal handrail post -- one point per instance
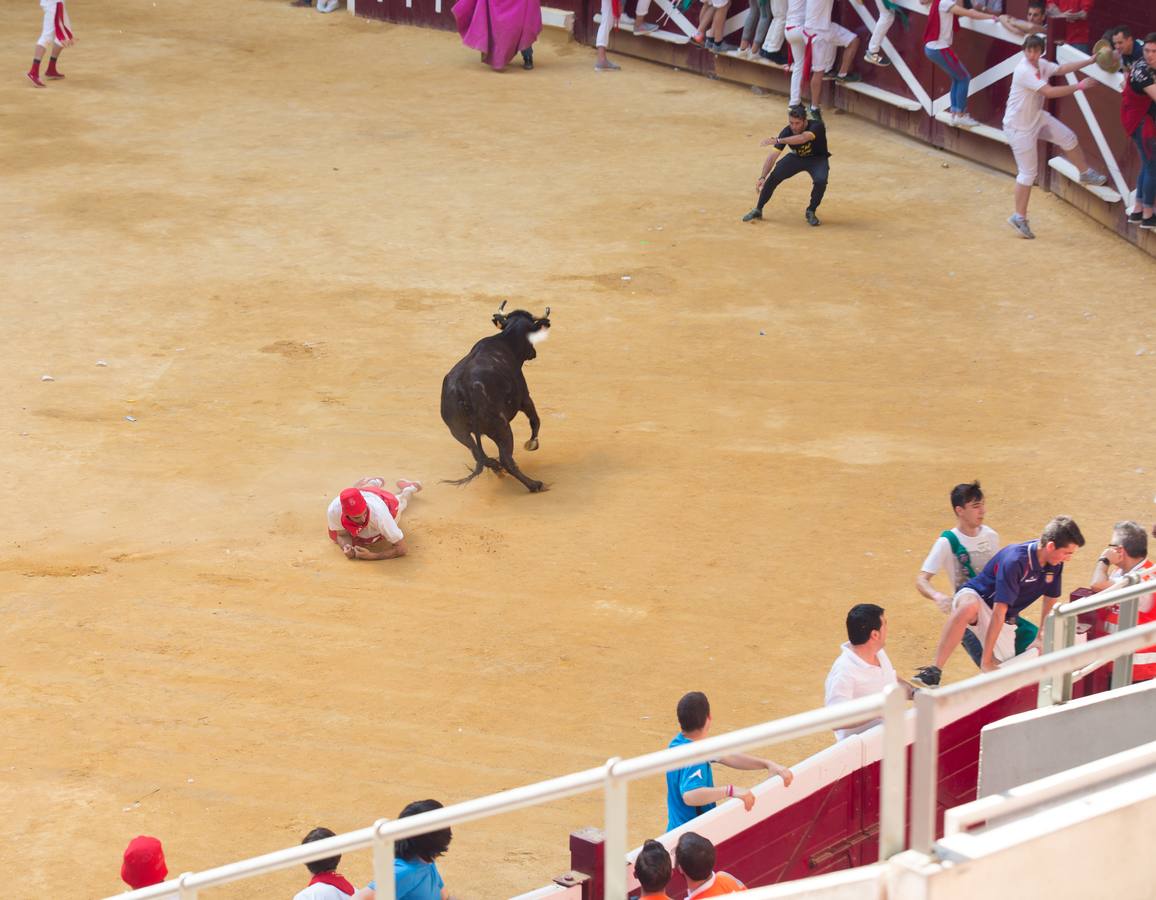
(1069, 641)
(186, 892)
(893, 773)
(924, 788)
(1122, 667)
(614, 834)
(1049, 687)
(385, 886)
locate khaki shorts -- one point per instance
(1005, 645)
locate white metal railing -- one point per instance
(1053, 787)
(1128, 596)
(611, 778)
(984, 688)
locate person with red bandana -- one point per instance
(325, 884)
(363, 519)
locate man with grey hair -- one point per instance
(1127, 554)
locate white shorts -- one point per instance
(48, 31)
(1026, 149)
(826, 43)
(717, 4)
(1005, 645)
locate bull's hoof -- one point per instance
(536, 487)
(532, 444)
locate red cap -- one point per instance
(144, 862)
(352, 503)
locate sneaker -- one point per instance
(1091, 176)
(815, 114)
(722, 47)
(848, 78)
(711, 45)
(812, 219)
(778, 57)
(927, 677)
(35, 79)
(753, 215)
(1020, 224)
(1148, 223)
(829, 75)
(607, 66)
(876, 59)
(402, 484)
(645, 28)
(698, 40)
(963, 120)
(1135, 218)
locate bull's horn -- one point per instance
(547, 314)
(503, 306)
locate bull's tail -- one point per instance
(472, 440)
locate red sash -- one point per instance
(333, 880)
(63, 34)
(931, 32)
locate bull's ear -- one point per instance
(499, 321)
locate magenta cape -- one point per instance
(498, 28)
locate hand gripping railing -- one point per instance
(980, 690)
(1065, 613)
(612, 778)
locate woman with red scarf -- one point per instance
(942, 23)
(363, 519)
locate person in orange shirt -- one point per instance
(652, 869)
(694, 857)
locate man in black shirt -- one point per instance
(807, 143)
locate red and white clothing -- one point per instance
(384, 511)
(797, 41)
(57, 28)
(824, 37)
(327, 886)
(1026, 123)
(1143, 661)
(941, 37)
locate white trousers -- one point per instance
(603, 39)
(882, 26)
(798, 41)
(48, 30)
(1025, 145)
(774, 41)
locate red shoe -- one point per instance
(402, 485)
(35, 79)
(53, 74)
(698, 39)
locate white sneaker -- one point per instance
(1020, 224)
(1091, 176)
(963, 120)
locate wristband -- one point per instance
(730, 790)
(1105, 560)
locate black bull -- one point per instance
(486, 389)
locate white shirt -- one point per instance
(946, 26)
(1025, 103)
(796, 13)
(818, 15)
(851, 678)
(321, 892)
(981, 548)
(380, 521)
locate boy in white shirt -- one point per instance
(1026, 123)
(863, 668)
(961, 552)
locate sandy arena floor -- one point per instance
(281, 229)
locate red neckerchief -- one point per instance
(334, 880)
(352, 527)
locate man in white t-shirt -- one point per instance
(1026, 123)
(824, 38)
(363, 519)
(862, 668)
(961, 552)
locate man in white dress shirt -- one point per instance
(862, 668)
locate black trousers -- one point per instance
(791, 165)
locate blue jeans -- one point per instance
(1146, 183)
(956, 71)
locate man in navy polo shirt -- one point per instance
(992, 601)
(690, 791)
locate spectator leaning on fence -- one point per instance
(325, 884)
(1026, 123)
(690, 791)
(1138, 116)
(652, 869)
(938, 37)
(695, 858)
(1127, 554)
(862, 667)
(1033, 23)
(415, 871)
(1127, 47)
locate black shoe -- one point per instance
(1135, 218)
(815, 114)
(755, 213)
(1148, 223)
(812, 219)
(927, 677)
(778, 57)
(528, 58)
(849, 78)
(711, 45)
